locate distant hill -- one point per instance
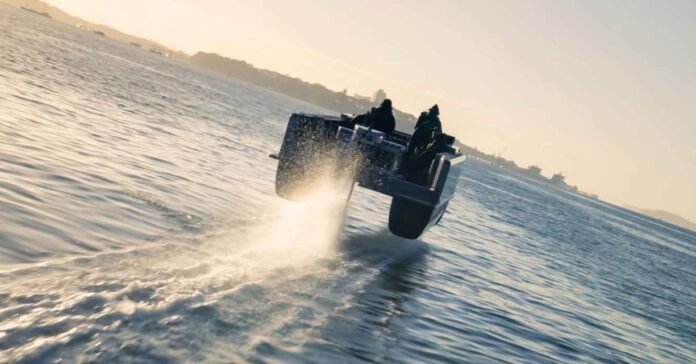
(313, 93)
(666, 216)
(60, 15)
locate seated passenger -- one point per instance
(380, 118)
(419, 140)
(441, 143)
(416, 167)
(433, 119)
(422, 119)
(427, 128)
(424, 144)
(384, 117)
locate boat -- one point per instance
(373, 160)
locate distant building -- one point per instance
(558, 179)
(379, 96)
(361, 98)
(534, 171)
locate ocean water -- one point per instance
(138, 223)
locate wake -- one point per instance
(94, 304)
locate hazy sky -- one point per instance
(604, 91)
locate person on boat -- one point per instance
(423, 145)
(417, 167)
(427, 128)
(384, 117)
(380, 118)
(440, 143)
(433, 119)
(422, 119)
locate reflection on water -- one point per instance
(138, 223)
(376, 318)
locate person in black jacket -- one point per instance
(419, 151)
(384, 117)
(433, 119)
(422, 119)
(380, 118)
(428, 127)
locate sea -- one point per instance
(139, 224)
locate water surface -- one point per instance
(138, 223)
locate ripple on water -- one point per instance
(138, 224)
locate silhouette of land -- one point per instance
(665, 216)
(44, 14)
(313, 93)
(41, 8)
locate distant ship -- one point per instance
(98, 32)
(44, 14)
(156, 51)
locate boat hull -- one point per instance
(315, 143)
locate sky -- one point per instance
(603, 91)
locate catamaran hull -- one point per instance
(314, 144)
